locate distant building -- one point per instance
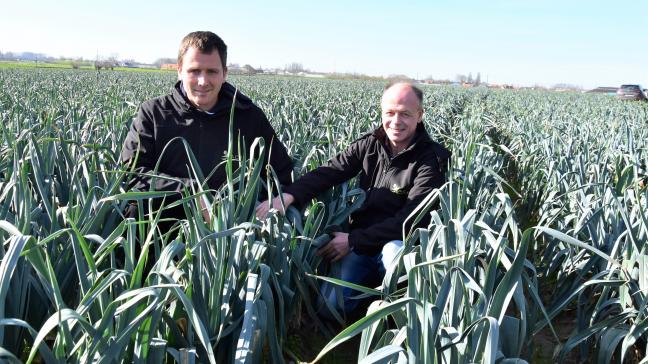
(313, 75)
(143, 65)
(169, 66)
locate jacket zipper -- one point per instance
(389, 165)
(385, 171)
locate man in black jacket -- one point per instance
(197, 111)
(398, 166)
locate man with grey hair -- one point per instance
(398, 166)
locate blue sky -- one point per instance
(586, 43)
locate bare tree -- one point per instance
(294, 67)
(108, 65)
(399, 78)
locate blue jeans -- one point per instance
(358, 269)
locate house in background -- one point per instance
(169, 66)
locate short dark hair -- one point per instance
(205, 42)
(417, 91)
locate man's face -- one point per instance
(401, 112)
(202, 76)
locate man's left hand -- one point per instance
(337, 248)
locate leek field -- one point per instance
(537, 252)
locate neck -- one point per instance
(206, 109)
(395, 149)
(400, 146)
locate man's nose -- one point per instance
(202, 79)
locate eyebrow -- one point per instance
(200, 68)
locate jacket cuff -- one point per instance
(352, 246)
(298, 198)
(357, 243)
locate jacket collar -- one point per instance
(223, 105)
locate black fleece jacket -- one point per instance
(395, 185)
(164, 118)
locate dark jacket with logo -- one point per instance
(164, 118)
(395, 185)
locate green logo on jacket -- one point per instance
(397, 189)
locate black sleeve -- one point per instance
(338, 169)
(139, 148)
(370, 240)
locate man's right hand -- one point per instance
(264, 207)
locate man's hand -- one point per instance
(264, 207)
(337, 248)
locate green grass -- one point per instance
(68, 65)
(32, 64)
